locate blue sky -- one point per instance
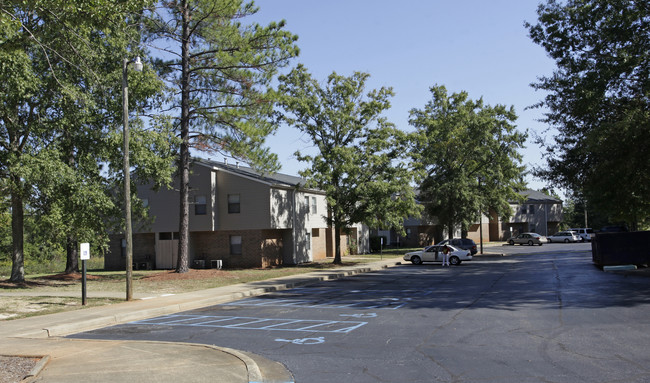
(476, 46)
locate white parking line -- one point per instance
(341, 299)
(252, 323)
(385, 303)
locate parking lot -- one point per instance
(535, 249)
(545, 316)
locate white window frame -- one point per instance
(314, 206)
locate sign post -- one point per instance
(84, 255)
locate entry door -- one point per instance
(166, 250)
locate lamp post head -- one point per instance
(137, 64)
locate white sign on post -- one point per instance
(85, 251)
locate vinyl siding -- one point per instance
(255, 209)
(164, 205)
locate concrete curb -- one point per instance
(33, 374)
(188, 302)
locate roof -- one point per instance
(273, 179)
(538, 196)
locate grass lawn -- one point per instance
(39, 290)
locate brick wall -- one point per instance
(259, 248)
(144, 250)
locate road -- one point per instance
(542, 317)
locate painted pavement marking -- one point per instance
(355, 299)
(252, 323)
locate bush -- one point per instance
(375, 243)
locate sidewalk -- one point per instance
(72, 360)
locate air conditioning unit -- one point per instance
(216, 264)
(198, 264)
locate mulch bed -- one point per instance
(15, 368)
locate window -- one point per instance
(233, 204)
(145, 202)
(307, 205)
(235, 244)
(200, 205)
(314, 206)
(523, 209)
(531, 209)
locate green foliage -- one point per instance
(58, 116)
(598, 99)
(468, 152)
(220, 82)
(359, 163)
(219, 74)
(376, 243)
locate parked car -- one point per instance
(461, 243)
(434, 254)
(528, 238)
(613, 229)
(585, 233)
(564, 236)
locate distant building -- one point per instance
(539, 213)
(239, 218)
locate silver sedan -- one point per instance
(528, 239)
(564, 236)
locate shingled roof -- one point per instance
(538, 196)
(275, 179)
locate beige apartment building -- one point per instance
(239, 218)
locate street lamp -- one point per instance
(137, 65)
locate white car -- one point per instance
(434, 254)
(564, 236)
(585, 234)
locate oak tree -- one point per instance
(469, 154)
(57, 117)
(598, 101)
(359, 155)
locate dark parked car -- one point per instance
(613, 229)
(461, 243)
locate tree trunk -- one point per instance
(337, 243)
(17, 225)
(72, 256)
(184, 160)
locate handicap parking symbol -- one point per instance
(318, 340)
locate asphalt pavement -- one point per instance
(74, 360)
